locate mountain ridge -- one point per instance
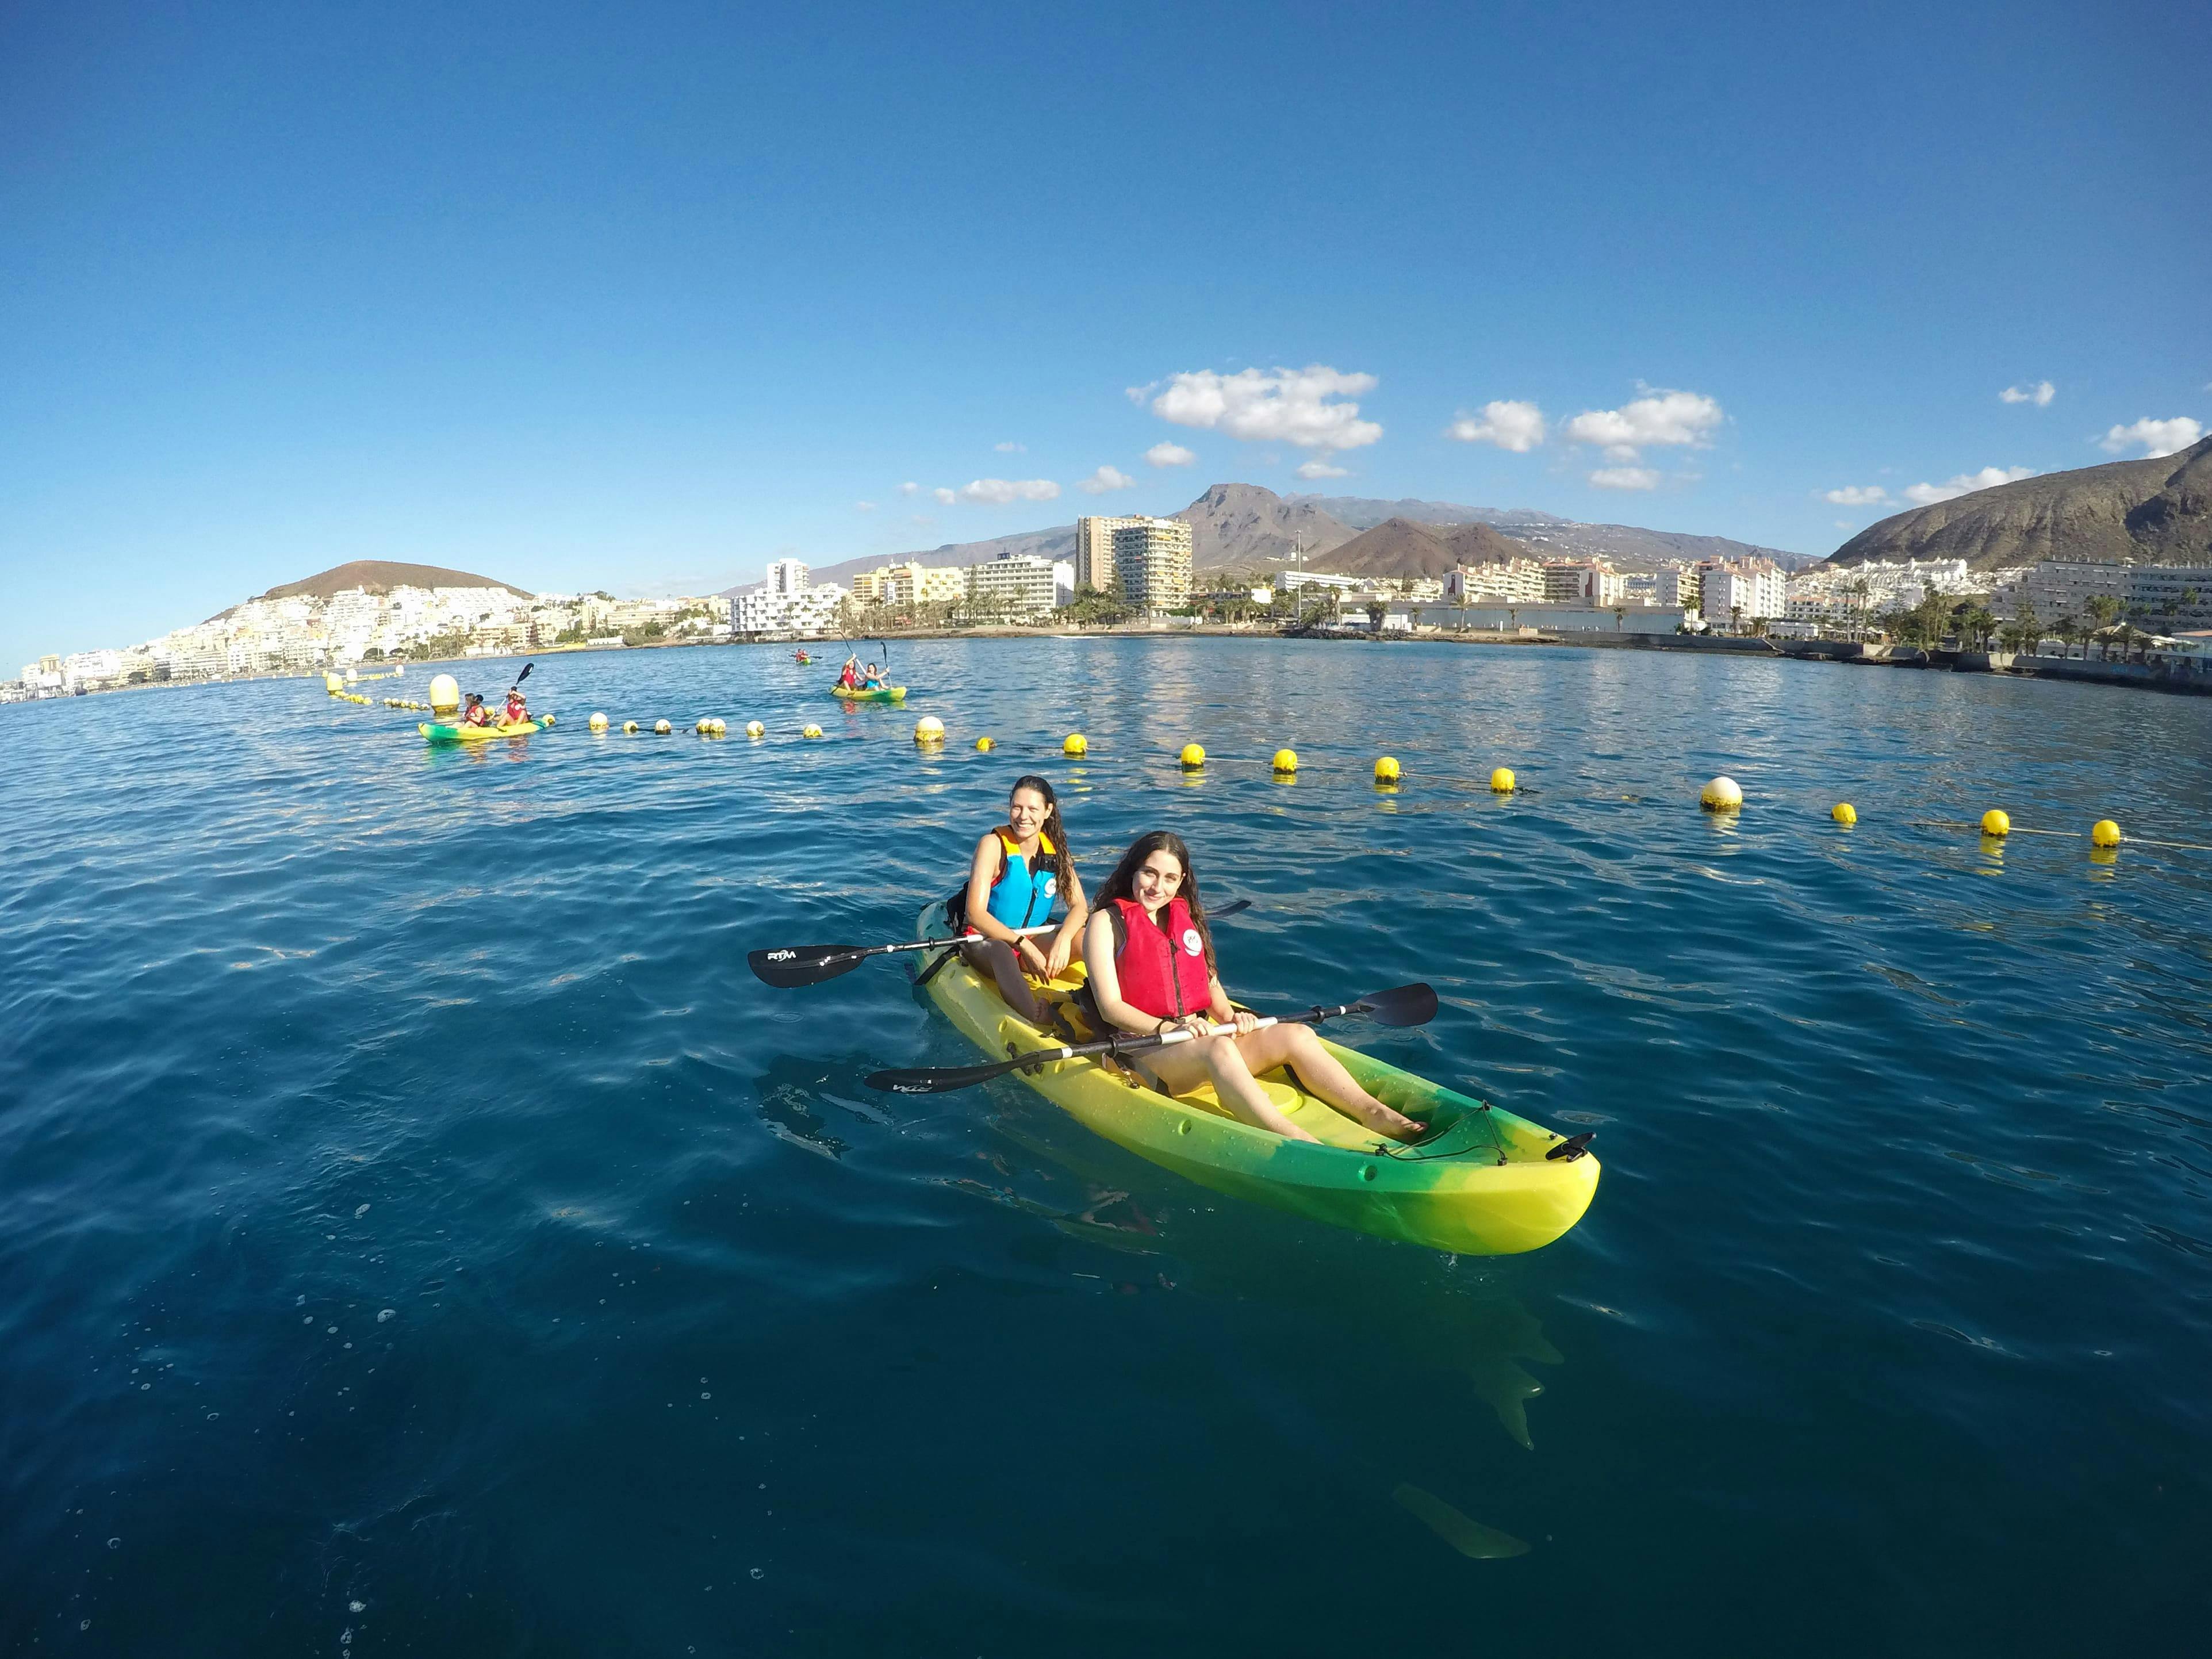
(1241, 527)
(2157, 510)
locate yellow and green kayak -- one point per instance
(1480, 1185)
(439, 732)
(872, 694)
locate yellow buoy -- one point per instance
(662, 728)
(1287, 760)
(754, 729)
(1994, 823)
(2104, 833)
(352, 674)
(331, 683)
(445, 693)
(1843, 812)
(984, 746)
(629, 728)
(1721, 795)
(929, 729)
(1074, 744)
(811, 731)
(1194, 756)
(1387, 769)
(599, 723)
(1502, 781)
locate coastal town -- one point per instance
(1136, 574)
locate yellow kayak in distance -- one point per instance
(1480, 1185)
(439, 732)
(869, 694)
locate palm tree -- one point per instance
(2107, 610)
(2063, 631)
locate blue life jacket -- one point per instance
(1021, 896)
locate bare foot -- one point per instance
(1397, 1126)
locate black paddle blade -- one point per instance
(1408, 1004)
(792, 965)
(938, 1081)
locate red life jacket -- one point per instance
(478, 714)
(516, 712)
(1161, 967)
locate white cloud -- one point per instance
(1857, 495)
(1659, 418)
(1000, 491)
(1105, 479)
(1320, 469)
(1297, 407)
(2040, 394)
(1927, 494)
(1165, 454)
(863, 506)
(909, 488)
(1625, 477)
(1843, 524)
(1010, 447)
(1518, 427)
(2156, 437)
(944, 498)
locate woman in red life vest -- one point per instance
(1018, 871)
(1151, 962)
(477, 714)
(518, 707)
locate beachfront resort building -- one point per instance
(1682, 584)
(1093, 551)
(787, 602)
(1583, 581)
(2172, 593)
(1498, 581)
(1743, 590)
(910, 583)
(1018, 585)
(1152, 563)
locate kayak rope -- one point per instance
(1430, 1150)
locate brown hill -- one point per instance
(2158, 510)
(1478, 543)
(380, 576)
(1397, 547)
(1400, 547)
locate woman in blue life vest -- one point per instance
(1151, 968)
(1017, 872)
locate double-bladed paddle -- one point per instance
(790, 966)
(1405, 1004)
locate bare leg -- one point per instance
(1324, 1076)
(1219, 1061)
(997, 959)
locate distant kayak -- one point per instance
(1481, 1185)
(877, 694)
(801, 658)
(437, 731)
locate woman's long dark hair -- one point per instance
(1122, 883)
(1055, 832)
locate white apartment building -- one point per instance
(1093, 551)
(1583, 581)
(1676, 586)
(1063, 582)
(1151, 563)
(1743, 591)
(786, 577)
(1016, 586)
(803, 610)
(2181, 593)
(1502, 581)
(1297, 581)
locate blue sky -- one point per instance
(643, 296)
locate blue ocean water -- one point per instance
(419, 1233)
